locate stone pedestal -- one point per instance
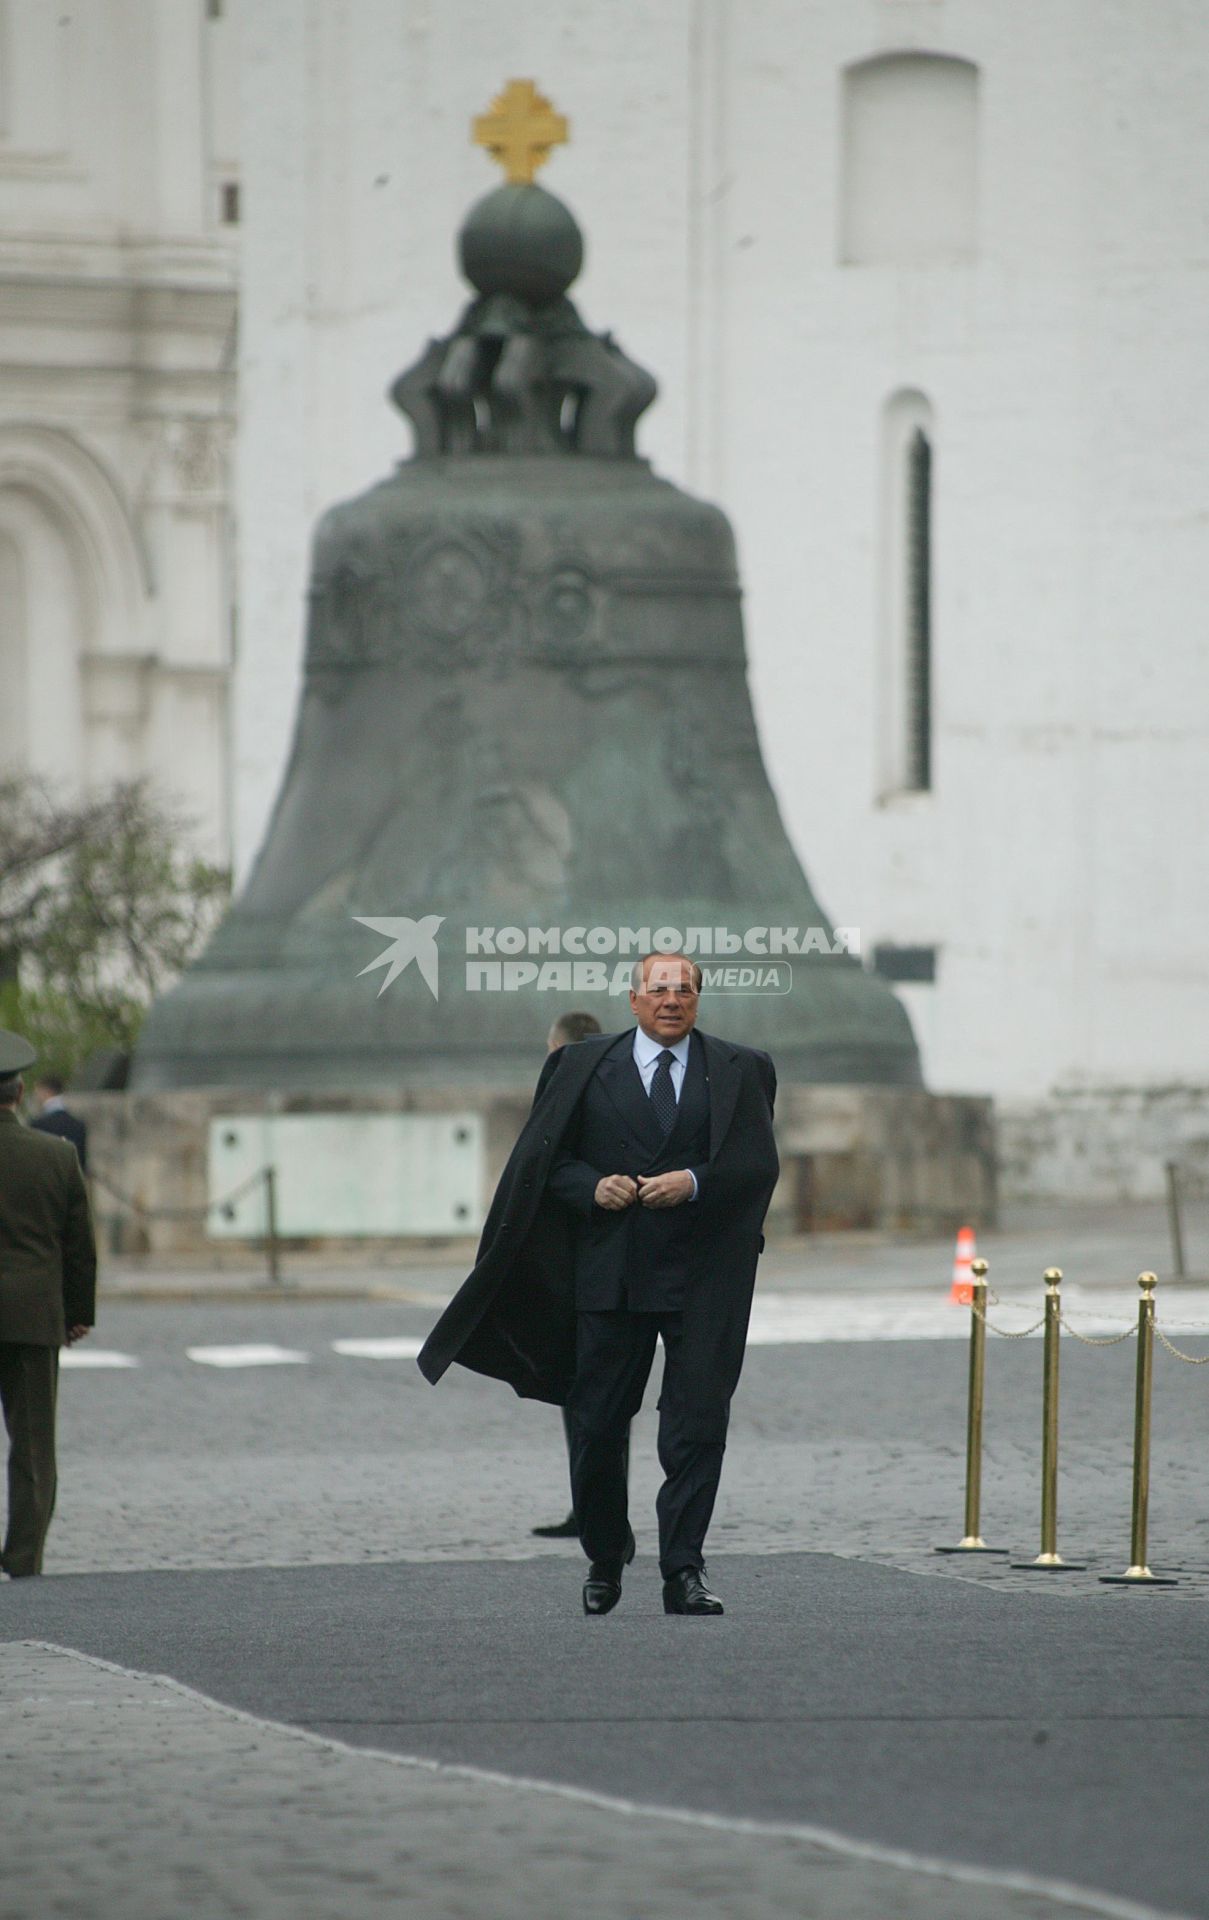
(885, 1158)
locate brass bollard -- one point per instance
(973, 1541)
(1138, 1574)
(1049, 1560)
(271, 1241)
(1173, 1217)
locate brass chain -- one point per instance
(1087, 1339)
(1192, 1359)
(1002, 1331)
(1112, 1340)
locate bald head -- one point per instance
(570, 1028)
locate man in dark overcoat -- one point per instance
(54, 1116)
(630, 1210)
(47, 1300)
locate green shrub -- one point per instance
(102, 904)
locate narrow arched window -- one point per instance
(906, 678)
(917, 637)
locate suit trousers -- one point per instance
(29, 1379)
(625, 1453)
(614, 1353)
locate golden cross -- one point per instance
(519, 130)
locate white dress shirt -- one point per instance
(646, 1059)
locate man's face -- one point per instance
(666, 1007)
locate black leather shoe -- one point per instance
(602, 1588)
(567, 1529)
(686, 1592)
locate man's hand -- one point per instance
(665, 1189)
(76, 1333)
(615, 1192)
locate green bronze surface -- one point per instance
(525, 705)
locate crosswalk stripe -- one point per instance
(93, 1357)
(777, 1320)
(248, 1356)
(400, 1348)
(790, 1320)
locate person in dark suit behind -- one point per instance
(53, 1117)
(630, 1211)
(47, 1300)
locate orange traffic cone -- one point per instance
(961, 1293)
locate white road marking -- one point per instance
(793, 1319)
(249, 1356)
(400, 1348)
(95, 1357)
(1060, 1892)
(782, 1320)
(785, 1320)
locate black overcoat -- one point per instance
(66, 1126)
(514, 1317)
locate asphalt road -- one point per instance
(857, 1684)
(1068, 1738)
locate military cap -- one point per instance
(15, 1054)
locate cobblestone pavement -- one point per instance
(344, 1465)
(143, 1775)
(1013, 1734)
(840, 1448)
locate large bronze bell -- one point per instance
(525, 707)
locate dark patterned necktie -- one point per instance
(663, 1093)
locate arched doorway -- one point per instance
(73, 603)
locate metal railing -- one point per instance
(1053, 1321)
(265, 1177)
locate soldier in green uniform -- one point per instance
(48, 1267)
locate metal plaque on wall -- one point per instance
(345, 1174)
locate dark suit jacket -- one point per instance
(638, 1257)
(48, 1262)
(514, 1318)
(67, 1126)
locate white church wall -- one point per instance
(1068, 399)
(117, 308)
(1049, 317)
